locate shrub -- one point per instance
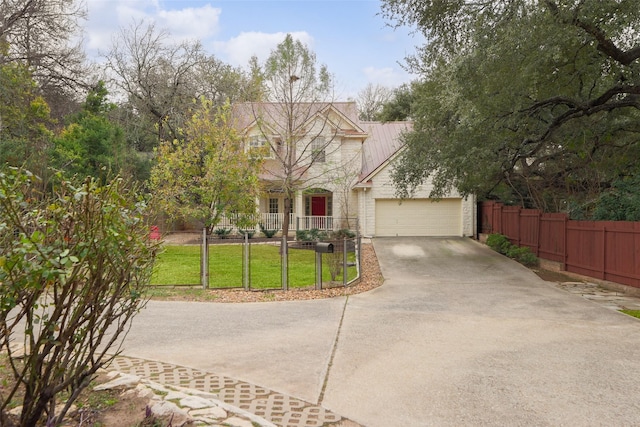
(313, 235)
(529, 259)
(523, 255)
(342, 233)
(222, 232)
(267, 233)
(499, 243)
(302, 235)
(74, 263)
(249, 233)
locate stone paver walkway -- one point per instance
(611, 299)
(278, 408)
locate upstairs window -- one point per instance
(259, 144)
(318, 146)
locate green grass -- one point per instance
(634, 313)
(180, 265)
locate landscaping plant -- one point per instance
(222, 232)
(267, 233)
(73, 266)
(501, 244)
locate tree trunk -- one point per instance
(287, 215)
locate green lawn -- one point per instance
(634, 313)
(180, 265)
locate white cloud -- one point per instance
(106, 17)
(190, 23)
(238, 50)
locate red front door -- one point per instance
(318, 206)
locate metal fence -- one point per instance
(341, 267)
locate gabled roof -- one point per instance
(342, 115)
(383, 142)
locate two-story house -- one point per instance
(337, 171)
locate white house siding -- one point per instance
(351, 153)
(343, 157)
(382, 190)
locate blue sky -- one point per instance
(348, 36)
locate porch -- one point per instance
(273, 221)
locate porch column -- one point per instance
(259, 213)
(362, 210)
(299, 207)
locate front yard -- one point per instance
(180, 265)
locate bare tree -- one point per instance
(44, 35)
(299, 125)
(162, 79)
(371, 99)
(154, 75)
(297, 91)
(345, 176)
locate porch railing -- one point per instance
(274, 222)
(324, 223)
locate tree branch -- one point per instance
(605, 44)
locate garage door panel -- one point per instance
(418, 217)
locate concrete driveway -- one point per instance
(457, 335)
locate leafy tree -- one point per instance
(538, 98)
(621, 202)
(73, 266)
(44, 36)
(255, 88)
(207, 173)
(25, 138)
(398, 106)
(92, 144)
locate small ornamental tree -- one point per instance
(207, 173)
(73, 267)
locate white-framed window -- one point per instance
(273, 205)
(318, 146)
(259, 144)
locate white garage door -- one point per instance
(419, 217)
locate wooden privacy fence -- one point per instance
(608, 250)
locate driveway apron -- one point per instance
(459, 335)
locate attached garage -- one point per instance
(418, 217)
